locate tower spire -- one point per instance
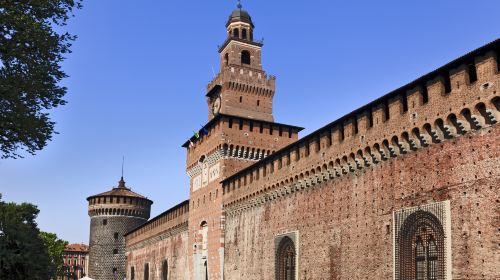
(123, 163)
(121, 183)
(239, 5)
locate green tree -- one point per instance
(55, 248)
(23, 254)
(32, 48)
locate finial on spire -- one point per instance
(121, 183)
(239, 5)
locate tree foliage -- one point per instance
(25, 251)
(31, 51)
(55, 248)
(23, 254)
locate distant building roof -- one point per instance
(84, 248)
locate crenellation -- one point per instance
(486, 66)
(363, 123)
(336, 137)
(324, 140)
(379, 115)
(459, 79)
(415, 99)
(435, 89)
(348, 129)
(396, 107)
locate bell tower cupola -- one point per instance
(240, 25)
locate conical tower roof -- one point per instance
(120, 190)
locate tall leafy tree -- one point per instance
(23, 254)
(32, 48)
(55, 248)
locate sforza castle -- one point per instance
(404, 188)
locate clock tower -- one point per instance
(241, 88)
(240, 131)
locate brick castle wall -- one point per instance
(162, 241)
(344, 226)
(171, 249)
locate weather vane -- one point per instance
(239, 4)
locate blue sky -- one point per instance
(139, 69)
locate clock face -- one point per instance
(216, 104)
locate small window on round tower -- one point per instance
(116, 235)
(115, 251)
(241, 99)
(104, 222)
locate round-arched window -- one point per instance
(285, 260)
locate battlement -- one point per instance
(244, 79)
(223, 126)
(174, 218)
(451, 101)
(119, 201)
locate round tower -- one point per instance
(113, 214)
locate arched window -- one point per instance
(164, 270)
(146, 271)
(236, 33)
(132, 273)
(285, 260)
(244, 34)
(226, 58)
(245, 57)
(421, 248)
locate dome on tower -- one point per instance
(240, 15)
(120, 190)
